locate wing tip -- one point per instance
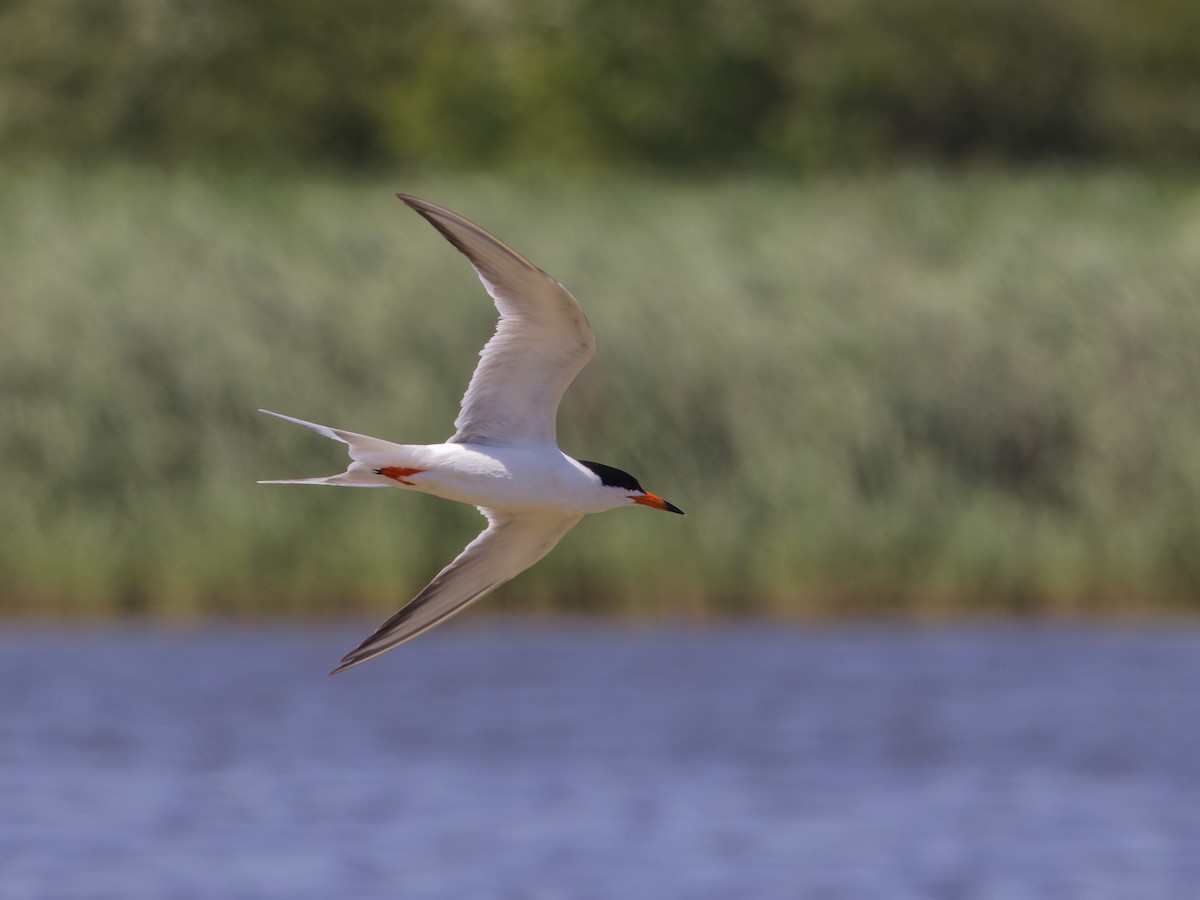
(424, 207)
(449, 223)
(358, 656)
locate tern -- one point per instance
(503, 458)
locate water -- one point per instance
(488, 761)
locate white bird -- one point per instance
(504, 457)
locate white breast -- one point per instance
(513, 478)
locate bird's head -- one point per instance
(625, 486)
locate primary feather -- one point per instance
(508, 546)
(541, 343)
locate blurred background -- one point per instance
(897, 299)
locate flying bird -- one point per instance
(503, 457)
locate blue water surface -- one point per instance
(585, 761)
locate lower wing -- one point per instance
(511, 543)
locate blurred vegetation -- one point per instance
(914, 394)
(675, 84)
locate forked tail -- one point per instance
(369, 456)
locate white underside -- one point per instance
(502, 478)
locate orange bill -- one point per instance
(654, 502)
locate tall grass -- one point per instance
(910, 395)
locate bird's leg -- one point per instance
(398, 473)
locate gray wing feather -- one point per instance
(511, 543)
(541, 343)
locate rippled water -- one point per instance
(488, 761)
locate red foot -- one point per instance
(398, 473)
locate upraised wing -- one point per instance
(509, 545)
(541, 343)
